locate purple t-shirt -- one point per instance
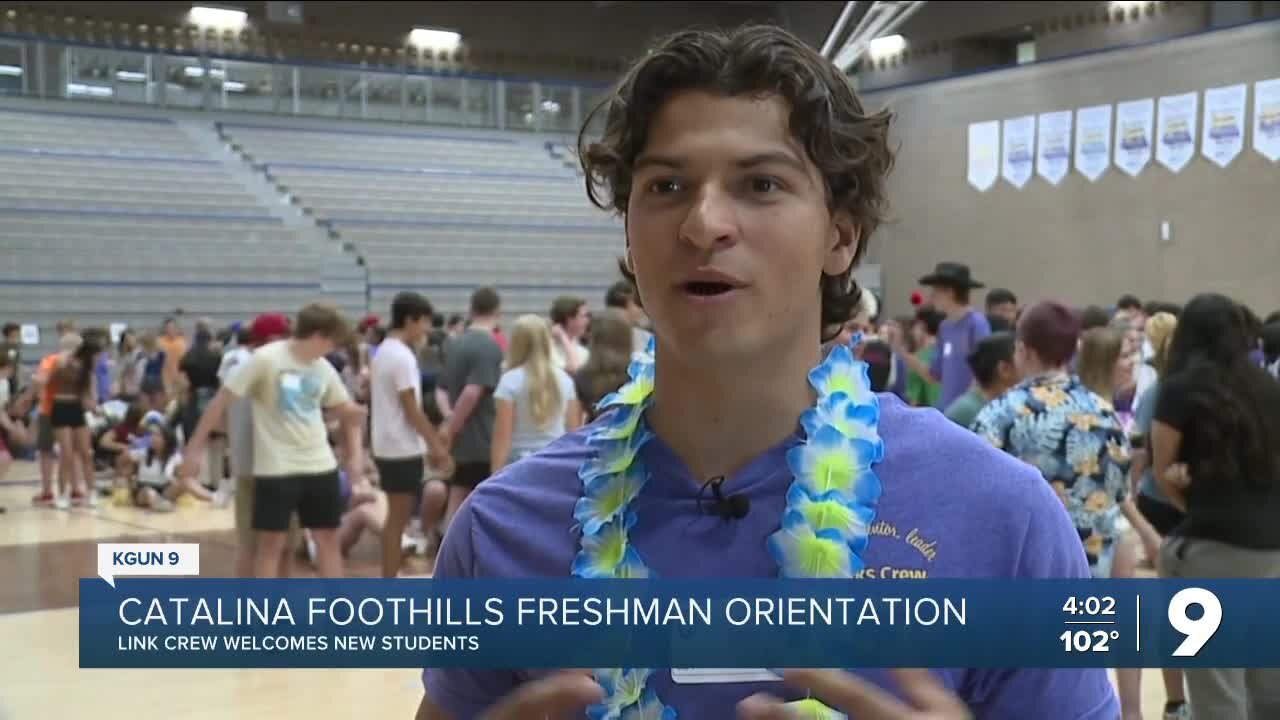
(953, 507)
(102, 375)
(956, 339)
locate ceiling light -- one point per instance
(233, 86)
(130, 76)
(91, 90)
(217, 17)
(887, 45)
(434, 38)
(11, 70)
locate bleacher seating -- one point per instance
(107, 219)
(445, 214)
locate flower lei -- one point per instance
(824, 528)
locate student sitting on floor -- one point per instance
(156, 484)
(364, 508)
(114, 445)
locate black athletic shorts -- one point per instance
(316, 498)
(403, 475)
(67, 414)
(1162, 516)
(469, 475)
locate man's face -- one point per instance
(11, 337)
(728, 229)
(942, 297)
(1006, 310)
(577, 325)
(919, 333)
(317, 346)
(416, 330)
(1022, 359)
(1007, 375)
(171, 328)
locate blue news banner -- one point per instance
(209, 623)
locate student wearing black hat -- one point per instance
(949, 287)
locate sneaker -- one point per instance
(1182, 711)
(62, 502)
(221, 498)
(91, 500)
(162, 504)
(44, 499)
(77, 498)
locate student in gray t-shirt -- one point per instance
(472, 368)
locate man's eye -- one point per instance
(764, 184)
(663, 187)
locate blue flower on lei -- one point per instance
(613, 456)
(810, 709)
(842, 373)
(601, 553)
(607, 496)
(623, 688)
(833, 512)
(830, 462)
(803, 552)
(649, 708)
(642, 372)
(842, 413)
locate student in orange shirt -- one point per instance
(69, 342)
(174, 346)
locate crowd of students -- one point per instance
(1118, 409)
(164, 429)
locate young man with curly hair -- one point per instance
(750, 180)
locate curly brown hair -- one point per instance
(849, 146)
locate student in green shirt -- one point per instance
(993, 371)
(922, 391)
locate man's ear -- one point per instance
(842, 244)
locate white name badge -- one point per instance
(946, 350)
(290, 382)
(721, 676)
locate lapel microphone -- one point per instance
(729, 507)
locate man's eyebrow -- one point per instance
(781, 158)
(650, 159)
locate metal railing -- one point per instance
(43, 68)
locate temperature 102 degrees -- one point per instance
(1091, 624)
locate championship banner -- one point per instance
(713, 623)
(1134, 122)
(1224, 123)
(1176, 130)
(1266, 118)
(1093, 141)
(1053, 145)
(984, 154)
(1019, 149)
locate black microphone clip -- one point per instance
(730, 507)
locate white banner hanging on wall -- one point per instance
(1019, 150)
(1266, 118)
(1053, 145)
(1176, 130)
(1093, 141)
(984, 154)
(1134, 120)
(1224, 123)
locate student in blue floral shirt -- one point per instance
(1073, 436)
